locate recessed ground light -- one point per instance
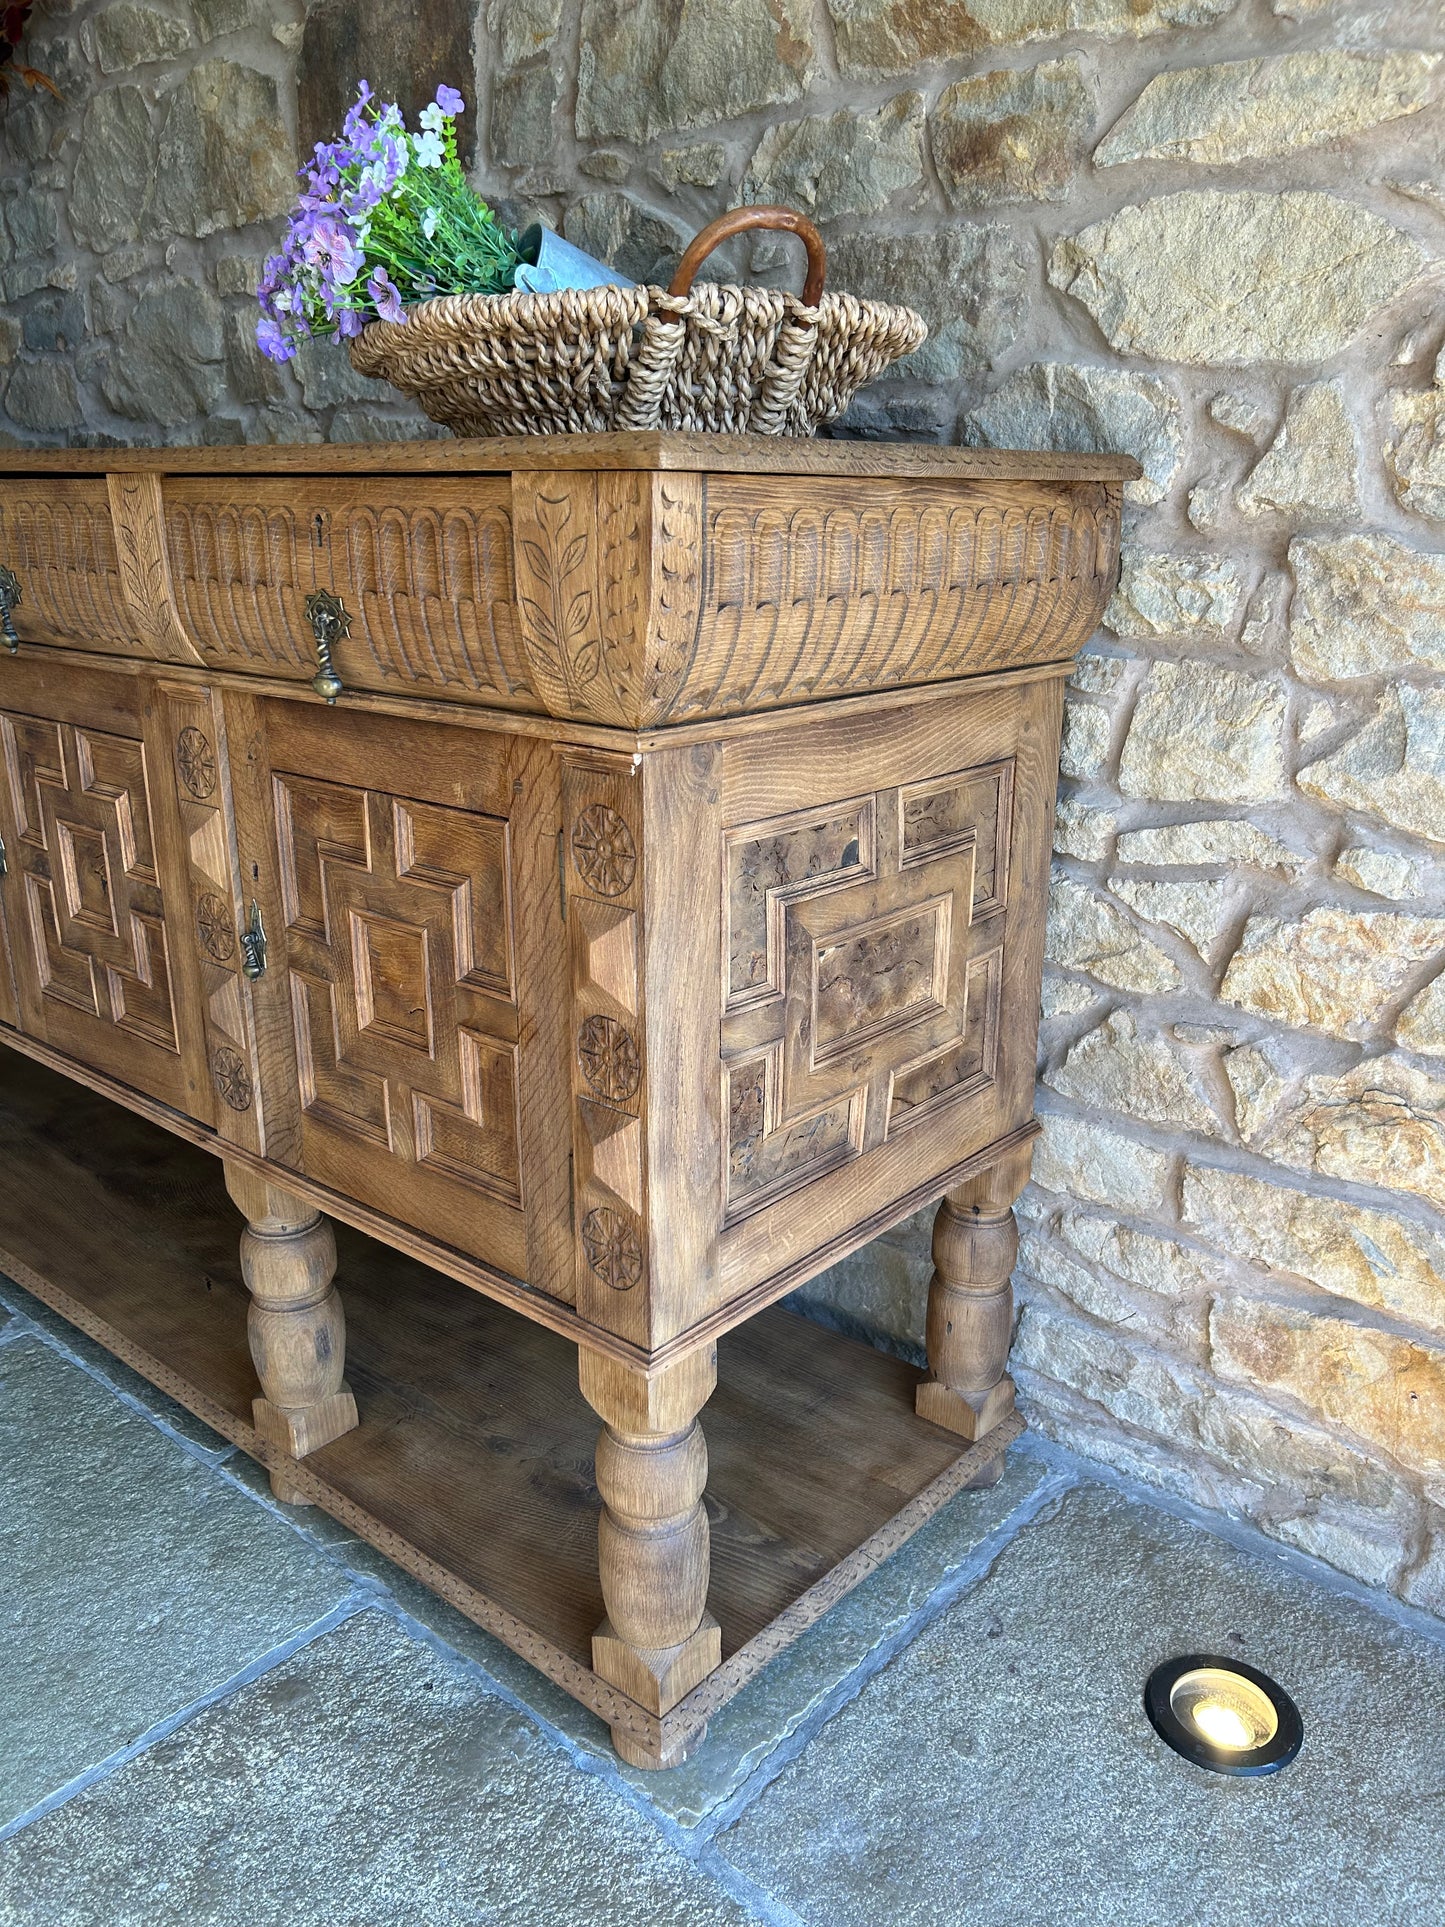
(1223, 1715)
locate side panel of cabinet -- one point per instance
(410, 1011)
(97, 906)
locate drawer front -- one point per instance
(416, 904)
(96, 908)
(423, 572)
(57, 539)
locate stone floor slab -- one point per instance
(367, 1781)
(133, 1578)
(1001, 1770)
(791, 1690)
(105, 1365)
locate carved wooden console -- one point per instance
(651, 914)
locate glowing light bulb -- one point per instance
(1222, 1726)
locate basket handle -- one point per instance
(739, 220)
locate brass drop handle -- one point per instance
(11, 596)
(740, 220)
(253, 945)
(330, 620)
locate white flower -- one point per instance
(432, 119)
(427, 149)
(429, 223)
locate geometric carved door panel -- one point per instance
(95, 961)
(400, 965)
(865, 950)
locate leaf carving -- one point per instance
(560, 610)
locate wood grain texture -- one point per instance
(635, 449)
(98, 890)
(818, 1468)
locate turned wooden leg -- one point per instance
(296, 1325)
(658, 1639)
(970, 1301)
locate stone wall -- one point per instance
(1204, 231)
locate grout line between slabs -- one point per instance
(255, 1669)
(1240, 1534)
(946, 1594)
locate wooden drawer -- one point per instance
(57, 538)
(97, 910)
(423, 571)
(408, 879)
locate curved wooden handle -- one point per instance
(739, 220)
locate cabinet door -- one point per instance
(418, 936)
(95, 905)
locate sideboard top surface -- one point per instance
(634, 449)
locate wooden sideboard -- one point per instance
(609, 870)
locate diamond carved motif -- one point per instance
(95, 916)
(862, 974)
(398, 918)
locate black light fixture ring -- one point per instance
(1272, 1753)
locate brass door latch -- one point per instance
(11, 597)
(330, 620)
(253, 944)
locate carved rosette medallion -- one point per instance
(216, 928)
(612, 1248)
(196, 761)
(603, 850)
(231, 1078)
(607, 1052)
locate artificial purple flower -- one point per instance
(348, 323)
(328, 244)
(384, 293)
(450, 101)
(272, 343)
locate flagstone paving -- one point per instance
(217, 1711)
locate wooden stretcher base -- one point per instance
(472, 1464)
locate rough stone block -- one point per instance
(1375, 1258)
(649, 66)
(1394, 766)
(1086, 932)
(1206, 734)
(1364, 605)
(1228, 279)
(1013, 136)
(828, 165)
(1253, 109)
(1310, 472)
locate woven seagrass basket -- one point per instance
(728, 359)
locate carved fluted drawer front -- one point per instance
(97, 905)
(423, 572)
(57, 540)
(406, 968)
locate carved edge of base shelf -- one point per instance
(970, 1301)
(296, 1325)
(658, 1640)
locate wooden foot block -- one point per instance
(941, 1405)
(301, 1429)
(657, 1677)
(637, 1753)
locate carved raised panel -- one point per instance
(84, 849)
(862, 974)
(400, 958)
(57, 537)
